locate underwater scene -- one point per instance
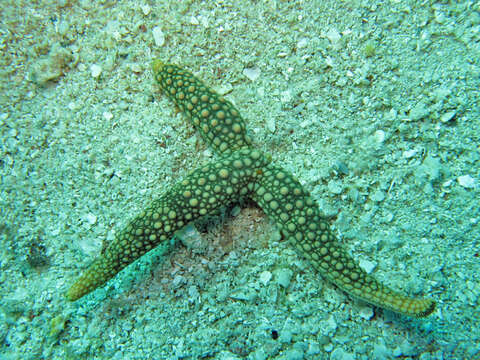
(259, 179)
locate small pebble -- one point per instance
(419, 112)
(193, 292)
(194, 20)
(440, 17)
(341, 167)
(89, 247)
(432, 167)
(367, 265)
(380, 351)
(91, 219)
(293, 354)
(378, 196)
(366, 312)
(270, 124)
(158, 36)
(409, 153)
(466, 181)
(334, 36)
(335, 187)
(379, 136)
(405, 349)
(286, 96)
(329, 62)
(227, 355)
(178, 281)
(283, 277)
(107, 115)
(146, 9)
(313, 349)
(63, 28)
(388, 217)
(305, 123)
(252, 73)
(13, 133)
(244, 294)
(224, 89)
(448, 116)
(447, 184)
(95, 70)
(191, 238)
(57, 326)
(265, 277)
(136, 68)
(340, 354)
(302, 43)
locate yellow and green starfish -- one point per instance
(240, 171)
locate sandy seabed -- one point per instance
(373, 105)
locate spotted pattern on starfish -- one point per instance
(201, 192)
(241, 171)
(215, 118)
(296, 214)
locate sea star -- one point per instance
(240, 172)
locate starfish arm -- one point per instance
(292, 208)
(201, 192)
(215, 118)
